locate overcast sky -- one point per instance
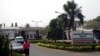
(24, 11)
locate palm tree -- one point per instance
(57, 27)
(63, 23)
(27, 25)
(73, 12)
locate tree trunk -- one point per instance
(55, 41)
(69, 35)
(74, 27)
(70, 26)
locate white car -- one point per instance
(19, 39)
(17, 46)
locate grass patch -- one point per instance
(17, 54)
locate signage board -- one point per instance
(82, 38)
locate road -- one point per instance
(36, 50)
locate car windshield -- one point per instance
(19, 39)
(14, 44)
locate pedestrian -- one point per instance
(26, 47)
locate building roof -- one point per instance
(31, 28)
(21, 28)
(9, 28)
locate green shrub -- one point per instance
(97, 47)
(60, 47)
(35, 41)
(61, 43)
(72, 48)
(63, 46)
(41, 41)
(79, 48)
(85, 48)
(4, 46)
(57, 44)
(51, 46)
(48, 45)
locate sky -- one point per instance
(41, 11)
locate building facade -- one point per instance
(12, 32)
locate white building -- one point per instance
(11, 32)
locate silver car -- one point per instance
(19, 39)
(17, 46)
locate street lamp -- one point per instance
(59, 12)
(36, 23)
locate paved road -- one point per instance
(42, 51)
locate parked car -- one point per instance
(19, 39)
(17, 46)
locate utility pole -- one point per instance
(37, 29)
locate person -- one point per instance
(26, 47)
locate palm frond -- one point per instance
(66, 8)
(80, 16)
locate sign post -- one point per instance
(82, 38)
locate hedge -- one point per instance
(97, 47)
(70, 48)
(36, 41)
(79, 48)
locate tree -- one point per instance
(56, 28)
(4, 24)
(73, 12)
(52, 34)
(46, 30)
(12, 25)
(97, 19)
(27, 25)
(63, 23)
(0, 25)
(16, 24)
(4, 46)
(23, 34)
(93, 24)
